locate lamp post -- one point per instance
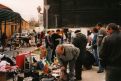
(40, 16)
(56, 20)
(46, 13)
(40, 19)
(39, 10)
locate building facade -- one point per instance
(11, 21)
(82, 13)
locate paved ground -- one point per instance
(92, 75)
(87, 75)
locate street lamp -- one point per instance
(39, 10)
(46, 12)
(40, 16)
(56, 20)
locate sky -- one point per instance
(26, 8)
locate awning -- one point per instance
(9, 16)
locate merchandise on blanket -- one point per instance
(48, 77)
(27, 79)
(60, 74)
(7, 59)
(1, 56)
(14, 68)
(5, 68)
(55, 67)
(42, 76)
(40, 65)
(37, 65)
(46, 68)
(56, 71)
(37, 76)
(27, 73)
(56, 62)
(8, 68)
(4, 63)
(63, 75)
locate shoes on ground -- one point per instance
(100, 71)
(95, 64)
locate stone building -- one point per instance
(82, 13)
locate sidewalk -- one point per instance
(92, 75)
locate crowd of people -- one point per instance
(104, 42)
(71, 48)
(106, 49)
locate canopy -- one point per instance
(6, 14)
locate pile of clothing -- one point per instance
(7, 63)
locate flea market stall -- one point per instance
(8, 69)
(35, 65)
(30, 64)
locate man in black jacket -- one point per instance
(49, 46)
(80, 41)
(56, 39)
(110, 53)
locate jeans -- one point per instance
(96, 56)
(49, 55)
(99, 63)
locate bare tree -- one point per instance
(33, 23)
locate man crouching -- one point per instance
(67, 54)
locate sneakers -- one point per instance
(100, 71)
